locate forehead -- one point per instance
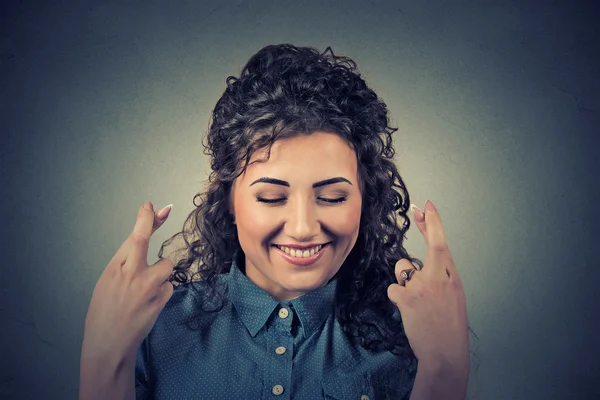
(315, 154)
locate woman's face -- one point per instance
(301, 216)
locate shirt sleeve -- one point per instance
(411, 374)
(395, 382)
(142, 368)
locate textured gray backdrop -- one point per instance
(103, 105)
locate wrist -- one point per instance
(105, 376)
(438, 379)
(106, 362)
(444, 368)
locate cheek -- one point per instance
(346, 220)
(254, 219)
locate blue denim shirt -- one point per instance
(257, 348)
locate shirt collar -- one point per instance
(255, 306)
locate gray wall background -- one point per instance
(103, 106)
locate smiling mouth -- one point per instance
(301, 259)
(301, 253)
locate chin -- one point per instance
(305, 283)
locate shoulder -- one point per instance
(188, 301)
(190, 292)
(378, 374)
(184, 293)
(396, 379)
(386, 373)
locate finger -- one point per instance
(403, 264)
(161, 270)
(160, 216)
(419, 219)
(140, 237)
(166, 289)
(395, 293)
(121, 254)
(435, 230)
(438, 254)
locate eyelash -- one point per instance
(272, 201)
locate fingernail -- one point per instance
(417, 213)
(429, 206)
(163, 212)
(148, 205)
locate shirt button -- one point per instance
(277, 390)
(283, 313)
(280, 350)
(364, 397)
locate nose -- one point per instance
(302, 223)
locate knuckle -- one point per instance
(168, 288)
(139, 240)
(113, 268)
(159, 276)
(144, 283)
(417, 292)
(163, 269)
(456, 284)
(145, 286)
(142, 211)
(440, 246)
(164, 293)
(391, 291)
(168, 263)
(413, 297)
(394, 294)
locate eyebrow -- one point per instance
(274, 181)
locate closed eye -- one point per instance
(271, 201)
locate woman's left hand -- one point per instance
(432, 303)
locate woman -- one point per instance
(295, 283)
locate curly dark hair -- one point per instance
(284, 91)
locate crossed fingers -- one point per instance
(134, 251)
(439, 262)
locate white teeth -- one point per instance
(301, 253)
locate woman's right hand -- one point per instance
(129, 295)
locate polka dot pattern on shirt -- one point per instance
(247, 350)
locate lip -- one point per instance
(304, 247)
(305, 261)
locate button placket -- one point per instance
(283, 313)
(280, 346)
(277, 390)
